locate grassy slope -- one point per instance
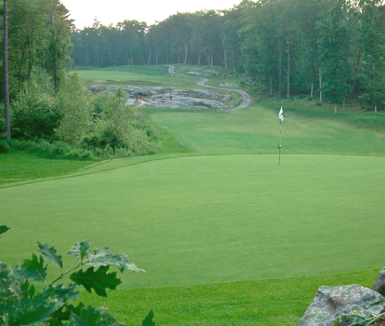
(24, 166)
(329, 198)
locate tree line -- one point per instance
(332, 48)
(50, 110)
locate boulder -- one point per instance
(228, 85)
(379, 284)
(163, 101)
(95, 88)
(204, 73)
(162, 97)
(351, 301)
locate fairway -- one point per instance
(214, 218)
(227, 236)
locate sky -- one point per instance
(149, 11)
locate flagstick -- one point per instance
(280, 140)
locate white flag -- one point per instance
(280, 114)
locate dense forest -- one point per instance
(50, 110)
(332, 48)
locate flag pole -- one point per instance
(280, 117)
(280, 141)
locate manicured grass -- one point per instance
(264, 303)
(136, 76)
(227, 236)
(210, 219)
(256, 130)
(23, 166)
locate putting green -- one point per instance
(205, 219)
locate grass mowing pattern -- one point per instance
(257, 130)
(214, 219)
(210, 219)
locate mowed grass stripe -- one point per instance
(210, 219)
(256, 130)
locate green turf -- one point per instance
(256, 130)
(206, 219)
(263, 303)
(15, 166)
(136, 76)
(227, 236)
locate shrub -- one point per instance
(60, 148)
(4, 146)
(79, 154)
(21, 144)
(34, 115)
(21, 303)
(74, 105)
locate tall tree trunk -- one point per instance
(312, 91)
(280, 60)
(224, 51)
(288, 69)
(233, 57)
(199, 54)
(6, 87)
(185, 45)
(86, 50)
(156, 55)
(97, 54)
(271, 85)
(132, 56)
(356, 73)
(21, 65)
(149, 56)
(320, 85)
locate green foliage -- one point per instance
(357, 319)
(3, 229)
(117, 130)
(34, 114)
(39, 38)
(98, 280)
(4, 146)
(22, 304)
(333, 47)
(74, 105)
(148, 321)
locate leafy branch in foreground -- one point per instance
(22, 304)
(356, 319)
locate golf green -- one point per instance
(214, 218)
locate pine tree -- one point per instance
(333, 53)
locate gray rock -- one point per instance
(161, 101)
(159, 97)
(204, 73)
(201, 94)
(379, 284)
(228, 85)
(97, 88)
(331, 302)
